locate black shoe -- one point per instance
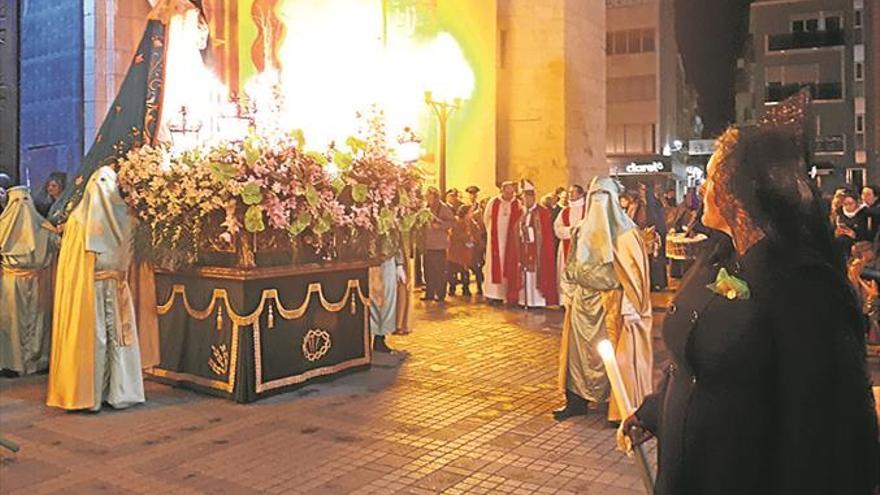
(574, 406)
(466, 293)
(379, 344)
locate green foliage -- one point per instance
(385, 221)
(251, 194)
(318, 157)
(299, 137)
(323, 225)
(253, 219)
(356, 145)
(312, 195)
(359, 193)
(301, 223)
(342, 160)
(222, 172)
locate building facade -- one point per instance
(651, 108)
(826, 46)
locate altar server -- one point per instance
(95, 356)
(565, 223)
(27, 249)
(501, 270)
(607, 279)
(537, 253)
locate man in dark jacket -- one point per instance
(435, 244)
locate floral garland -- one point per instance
(218, 195)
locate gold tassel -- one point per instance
(271, 316)
(219, 318)
(353, 308)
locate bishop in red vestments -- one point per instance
(502, 272)
(537, 253)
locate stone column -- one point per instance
(551, 105)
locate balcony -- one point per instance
(776, 92)
(806, 39)
(834, 144)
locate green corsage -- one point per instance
(730, 287)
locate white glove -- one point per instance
(401, 275)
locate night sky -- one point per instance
(710, 37)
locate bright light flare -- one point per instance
(336, 64)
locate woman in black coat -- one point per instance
(767, 392)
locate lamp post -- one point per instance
(443, 110)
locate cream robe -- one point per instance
(95, 356)
(492, 290)
(27, 249)
(529, 295)
(633, 347)
(609, 301)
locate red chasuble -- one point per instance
(510, 271)
(547, 272)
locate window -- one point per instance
(630, 41)
(620, 42)
(857, 18)
(860, 71)
(797, 26)
(648, 40)
(856, 177)
(812, 25)
(832, 23)
(860, 124)
(635, 41)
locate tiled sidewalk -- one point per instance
(465, 408)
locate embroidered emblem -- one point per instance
(730, 287)
(316, 344)
(219, 360)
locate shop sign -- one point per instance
(645, 168)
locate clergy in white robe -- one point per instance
(564, 225)
(607, 279)
(27, 249)
(537, 257)
(501, 270)
(95, 357)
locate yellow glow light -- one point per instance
(336, 64)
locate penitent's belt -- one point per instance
(22, 272)
(123, 325)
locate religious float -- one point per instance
(262, 252)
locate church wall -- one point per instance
(51, 96)
(552, 91)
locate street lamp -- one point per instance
(443, 110)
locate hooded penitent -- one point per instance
(607, 283)
(95, 356)
(27, 249)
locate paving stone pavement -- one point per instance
(465, 407)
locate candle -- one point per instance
(606, 350)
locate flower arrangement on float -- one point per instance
(267, 201)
